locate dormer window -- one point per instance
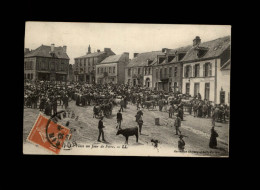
(149, 62)
(201, 53)
(170, 58)
(161, 59)
(181, 56)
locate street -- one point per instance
(197, 130)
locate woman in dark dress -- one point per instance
(213, 138)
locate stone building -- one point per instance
(167, 69)
(112, 69)
(206, 69)
(46, 63)
(139, 70)
(84, 67)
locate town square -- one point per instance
(170, 99)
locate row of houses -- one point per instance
(197, 68)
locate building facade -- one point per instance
(168, 70)
(206, 70)
(84, 67)
(46, 63)
(139, 71)
(112, 69)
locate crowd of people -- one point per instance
(47, 95)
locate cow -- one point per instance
(128, 132)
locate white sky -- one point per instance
(132, 38)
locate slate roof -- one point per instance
(215, 48)
(112, 59)
(44, 51)
(141, 59)
(95, 54)
(226, 66)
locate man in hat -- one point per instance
(119, 119)
(122, 103)
(181, 144)
(140, 123)
(177, 124)
(138, 114)
(100, 128)
(171, 110)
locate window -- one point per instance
(28, 76)
(207, 90)
(161, 73)
(175, 87)
(101, 70)
(181, 56)
(149, 72)
(161, 59)
(31, 76)
(188, 88)
(52, 66)
(98, 70)
(196, 70)
(129, 81)
(175, 71)
(187, 71)
(165, 72)
(170, 71)
(207, 69)
(170, 58)
(109, 70)
(114, 69)
(196, 88)
(156, 73)
(139, 70)
(129, 72)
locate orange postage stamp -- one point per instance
(48, 134)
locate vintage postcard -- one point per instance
(122, 89)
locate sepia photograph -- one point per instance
(126, 89)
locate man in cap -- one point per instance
(100, 128)
(119, 118)
(181, 143)
(177, 124)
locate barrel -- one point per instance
(157, 121)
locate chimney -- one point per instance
(164, 50)
(126, 56)
(52, 47)
(135, 54)
(98, 50)
(89, 49)
(107, 50)
(196, 41)
(65, 49)
(26, 50)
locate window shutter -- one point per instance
(190, 71)
(199, 70)
(210, 69)
(184, 72)
(194, 68)
(203, 70)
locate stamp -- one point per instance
(48, 134)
